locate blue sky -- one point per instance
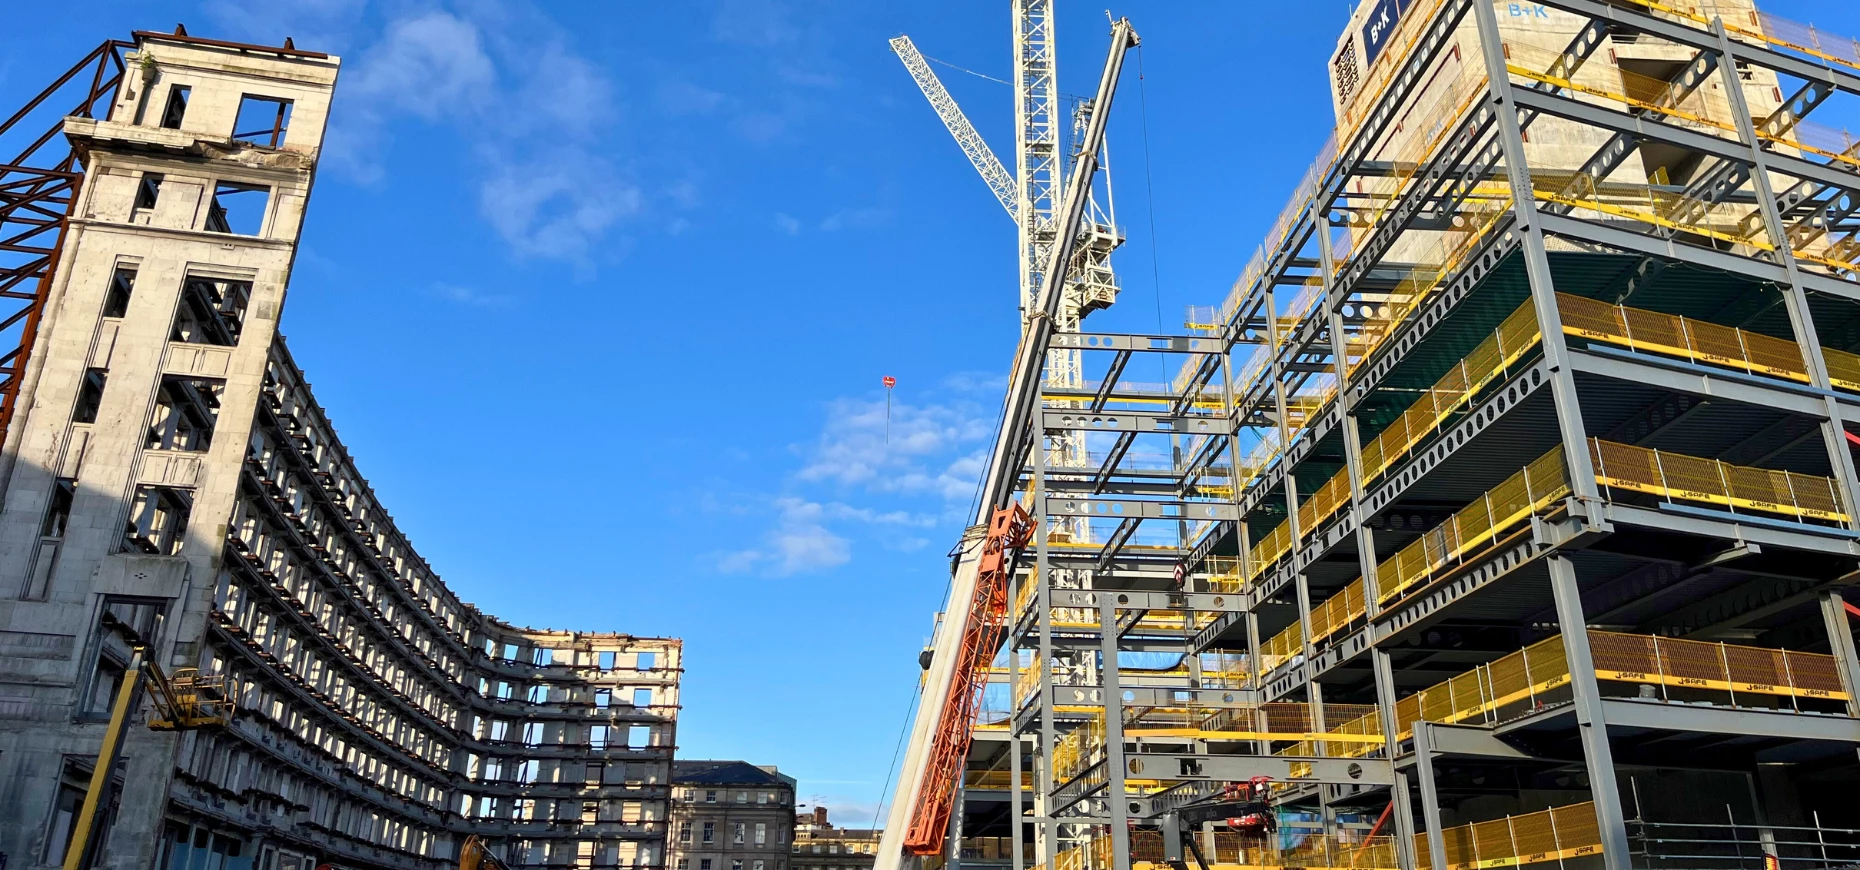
(600, 297)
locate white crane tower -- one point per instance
(1032, 198)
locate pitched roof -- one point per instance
(726, 773)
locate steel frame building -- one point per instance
(1503, 513)
(171, 485)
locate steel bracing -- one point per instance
(1501, 514)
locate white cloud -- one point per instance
(432, 66)
(787, 224)
(474, 298)
(558, 206)
(799, 544)
(535, 113)
(860, 446)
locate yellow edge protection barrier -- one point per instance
(1693, 478)
(1723, 667)
(1535, 487)
(1274, 736)
(1649, 217)
(1695, 340)
(1705, 23)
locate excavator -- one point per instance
(475, 855)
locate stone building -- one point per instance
(170, 485)
(730, 815)
(818, 845)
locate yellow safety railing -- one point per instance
(1234, 851)
(1537, 486)
(1700, 341)
(1487, 362)
(1225, 671)
(1719, 667)
(1274, 722)
(1551, 835)
(1078, 749)
(1537, 676)
(1693, 478)
(1675, 335)
(1772, 29)
(995, 779)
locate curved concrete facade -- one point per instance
(170, 482)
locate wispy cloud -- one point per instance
(798, 544)
(533, 111)
(903, 450)
(471, 297)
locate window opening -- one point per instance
(122, 624)
(176, 108)
(238, 209)
(148, 191)
(185, 412)
(58, 513)
(211, 311)
(262, 120)
(157, 520)
(116, 301)
(90, 396)
(605, 661)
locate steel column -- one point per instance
(1590, 722)
(1536, 260)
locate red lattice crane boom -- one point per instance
(1008, 530)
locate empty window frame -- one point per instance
(122, 623)
(238, 209)
(89, 397)
(58, 511)
(148, 191)
(603, 698)
(639, 736)
(185, 412)
(211, 311)
(116, 299)
(175, 109)
(157, 520)
(262, 120)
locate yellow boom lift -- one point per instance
(184, 702)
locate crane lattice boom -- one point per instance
(971, 142)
